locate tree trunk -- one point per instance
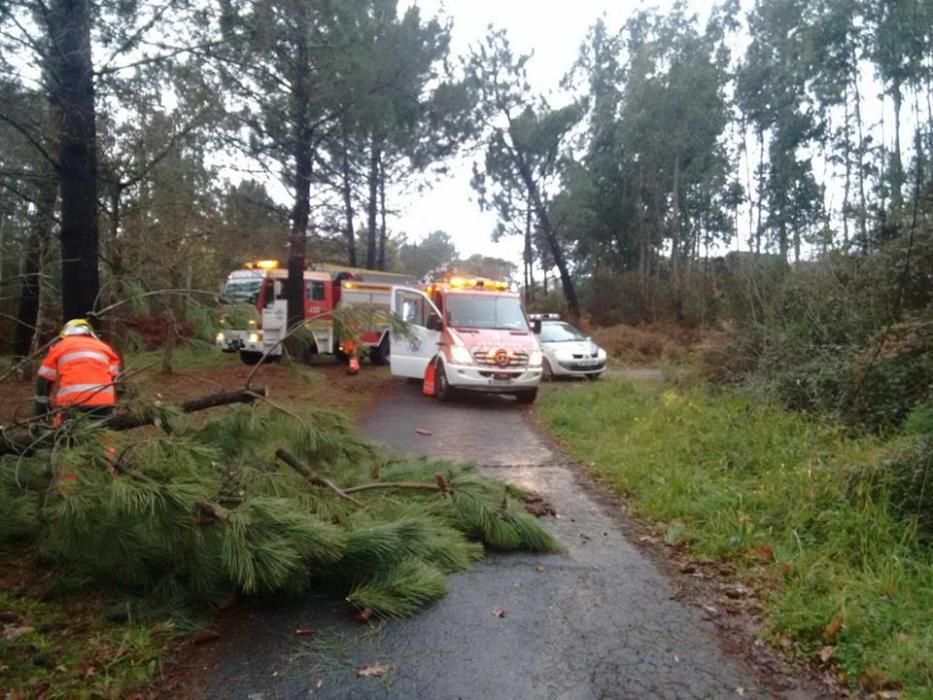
(347, 191)
(72, 78)
(759, 229)
(381, 262)
(528, 259)
(847, 154)
(675, 220)
(301, 212)
(550, 235)
(373, 204)
(860, 156)
(43, 221)
(897, 176)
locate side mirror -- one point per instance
(433, 322)
(536, 326)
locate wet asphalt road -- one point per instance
(597, 622)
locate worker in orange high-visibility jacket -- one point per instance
(78, 375)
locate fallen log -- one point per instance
(21, 442)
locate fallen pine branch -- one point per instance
(401, 485)
(309, 474)
(21, 442)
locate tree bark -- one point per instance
(27, 316)
(72, 92)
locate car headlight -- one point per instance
(564, 355)
(221, 337)
(601, 354)
(255, 337)
(535, 358)
(460, 355)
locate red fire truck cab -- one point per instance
(469, 334)
(262, 284)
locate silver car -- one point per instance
(567, 352)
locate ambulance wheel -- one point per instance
(527, 397)
(380, 356)
(442, 390)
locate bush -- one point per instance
(820, 335)
(905, 480)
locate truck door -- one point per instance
(411, 353)
(274, 314)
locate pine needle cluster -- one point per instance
(200, 511)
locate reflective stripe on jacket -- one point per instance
(84, 370)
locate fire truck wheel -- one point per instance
(250, 358)
(528, 396)
(442, 390)
(380, 355)
(309, 353)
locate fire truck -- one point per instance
(262, 284)
(465, 334)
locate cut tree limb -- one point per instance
(128, 421)
(22, 443)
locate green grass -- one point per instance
(728, 474)
(71, 651)
(192, 356)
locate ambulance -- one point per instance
(262, 284)
(465, 334)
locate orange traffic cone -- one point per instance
(354, 365)
(429, 375)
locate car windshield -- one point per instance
(485, 311)
(242, 291)
(559, 333)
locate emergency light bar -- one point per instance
(464, 283)
(262, 265)
(544, 317)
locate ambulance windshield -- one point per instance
(485, 310)
(242, 291)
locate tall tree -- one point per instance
(71, 77)
(525, 146)
(278, 65)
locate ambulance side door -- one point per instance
(412, 351)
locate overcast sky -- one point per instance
(553, 30)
